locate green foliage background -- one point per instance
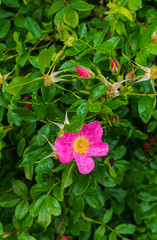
(40, 198)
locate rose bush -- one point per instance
(78, 131)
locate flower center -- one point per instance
(47, 80)
(153, 72)
(81, 145)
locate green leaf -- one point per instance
(152, 48)
(99, 232)
(120, 27)
(21, 209)
(146, 36)
(71, 17)
(125, 12)
(92, 202)
(17, 84)
(25, 236)
(1, 230)
(80, 185)
(81, 6)
(55, 7)
(27, 221)
(151, 126)
(53, 206)
(48, 93)
(28, 170)
(42, 60)
(11, 3)
(25, 114)
(134, 5)
(94, 107)
(120, 151)
(9, 200)
(39, 205)
(44, 217)
(108, 215)
(82, 30)
(20, 188)
(82, 110)
(33, 27)
(98, 91)
(37, 189)
(145, 108)
(108, 46)
(126, 228)
(67, 178)
(4, 27)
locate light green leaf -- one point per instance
(81, 6)
(134, 5)
(152, 48)
(71, 17)
(125, 12)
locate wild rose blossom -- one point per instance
(82, 146)
(85, 72)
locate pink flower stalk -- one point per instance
(115, 67)
(29, 106)
(85, 72)
(82, 146)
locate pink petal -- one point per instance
(26, 98)
(64, 147)
(85, 164)
(64, 150)
(92, 132)
(116, 64)
(29, 106)
(83, 72)
(98, 150)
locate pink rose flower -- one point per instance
(85, 72)
(29, 106)
(82, 146)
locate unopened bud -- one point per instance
(65, 238)
(146, 146)
(115, 67)
(111, 161)
(130, 76)
(152, 139)
(85, 72)
(114, 119)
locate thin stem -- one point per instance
(86, 43)
(52, 188)
(149, 160)
(94, 221)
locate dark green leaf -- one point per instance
(81, 5)
(20, 188)
(33, 27)
(53, 206)
(145, 108)
(21, 209)
(108, 46)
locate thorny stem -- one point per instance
(94, 221)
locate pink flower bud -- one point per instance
(114, 119)
(111, 161)
(85, 72)
(29, 106)
(130, 76)
(115, 67)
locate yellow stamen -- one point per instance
(153, 72)
(81, 145)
